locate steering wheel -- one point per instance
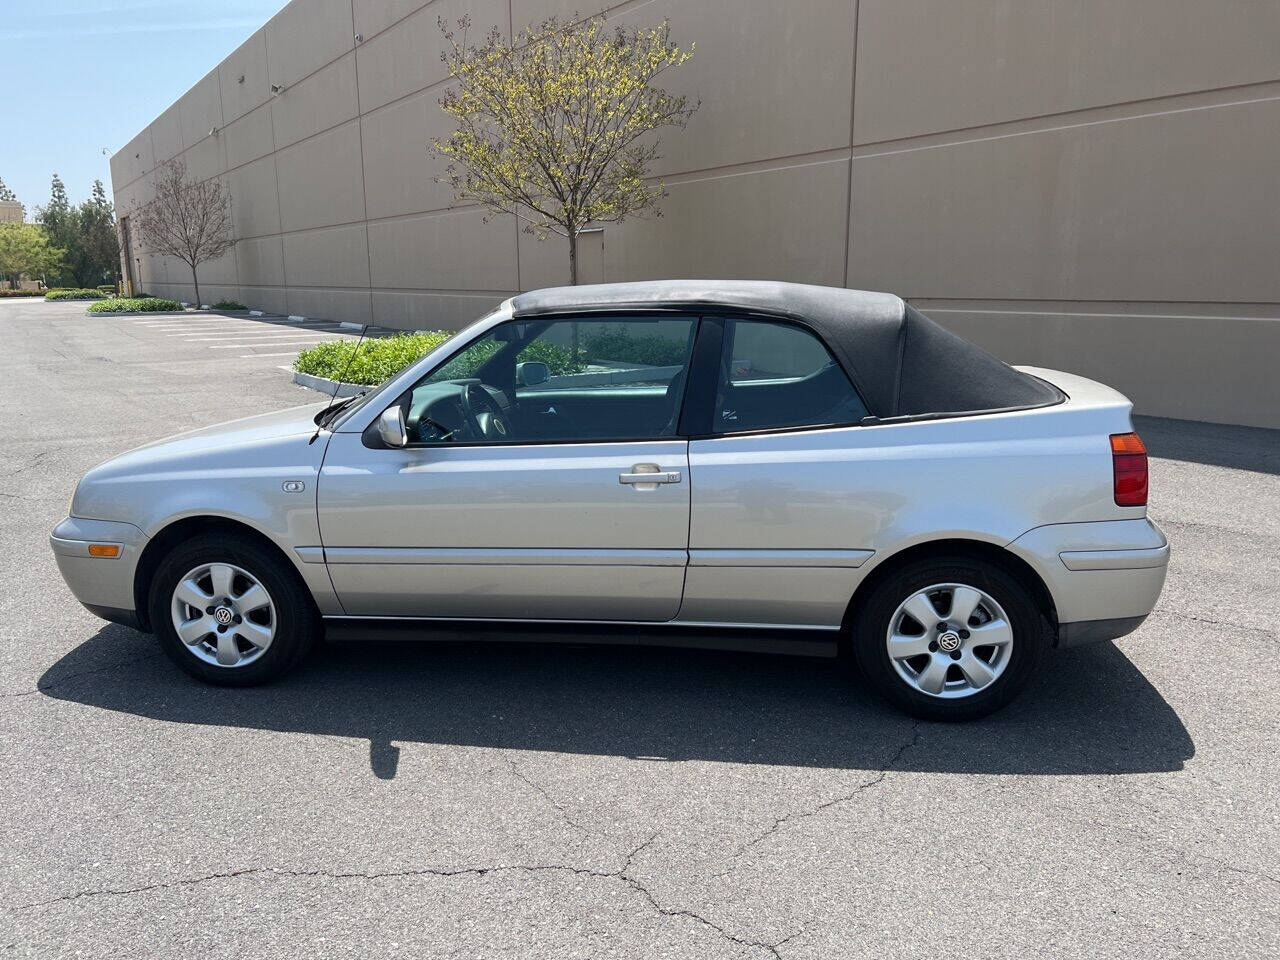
(482, 414)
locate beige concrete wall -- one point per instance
(1087, 185)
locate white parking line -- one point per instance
(189, 332)
(260, 336)
(258, 328)
(291, 353)
(276, 343)
(204, 326)
(173, 320)
(241, 323)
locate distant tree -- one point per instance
(25, 250)
(62, 223)
(87, 234)
(187, 220)
(98, 234)
(556, 124)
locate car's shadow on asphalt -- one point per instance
(1089, 711)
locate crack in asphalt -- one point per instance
(1196, 854)
(621, 874)
(1203, 525)
(791, 815)
(1259, 874)
(542, 792)
(26, 499)
(1169, 614)
(29, 465)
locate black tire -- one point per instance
(296, 621)
(871, 624)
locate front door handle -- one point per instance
(649, 475)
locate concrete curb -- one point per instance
(139, 313)
(325, 385)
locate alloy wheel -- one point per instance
(223, 614)
(949, 640)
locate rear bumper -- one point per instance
(1095, 631)
(104, 585)
(1104, 577)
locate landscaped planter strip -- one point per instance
(326, 386)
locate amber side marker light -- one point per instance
(1129, 468)
(104, 549)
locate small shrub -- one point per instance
(229, 305)
(21, 293)
(620, 347)
(108, 288)
(377, 360)
(72, 293)
(559, 360)
(136, 305)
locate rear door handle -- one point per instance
(649, 476)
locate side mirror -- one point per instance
(391, 427)
(531, 373)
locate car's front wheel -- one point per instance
(228, 611)
(948, 639)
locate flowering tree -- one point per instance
(25, 250)
(555, 125)
(187, 220)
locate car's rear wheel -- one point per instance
(948, 639)
(228, 611)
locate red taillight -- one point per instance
(1129, 466)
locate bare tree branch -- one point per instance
(187, 220)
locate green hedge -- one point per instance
(21, 293)
(136, 305)
(376, 361)
(229, 305)
(73, 293)
(649, 351)
(379, 360)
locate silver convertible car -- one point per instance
(744, 465)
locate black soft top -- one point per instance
(902, 363)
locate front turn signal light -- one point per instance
(104, 549)
(1129, 469)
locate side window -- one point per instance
(558, 380)
(775, 375)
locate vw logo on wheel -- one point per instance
(949, 641)
(223, 615)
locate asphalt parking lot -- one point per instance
(424, 800)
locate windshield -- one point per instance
(344, 409)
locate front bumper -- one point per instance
(103, 584)
(1105, 577)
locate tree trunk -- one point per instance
(573, 281)
(196, 280)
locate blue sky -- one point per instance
(84, 75)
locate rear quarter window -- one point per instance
(775, 375)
